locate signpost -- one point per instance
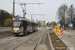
(70, 25)
(58, 24)
(57, 29)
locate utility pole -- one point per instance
(35, 14)
(64, 19)
(24, 9)
(71, 12)
(64, 16)
(13, 8)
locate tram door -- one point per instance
(25, 26)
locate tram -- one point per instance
(23, 26)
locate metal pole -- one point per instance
(31, 17)
(13, 8)
(64, 19)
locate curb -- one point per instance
(69, 46)
(65, 43)
(5, 35)
(50, 42)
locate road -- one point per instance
(69, 37)
(28, 42)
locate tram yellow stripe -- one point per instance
(17, 28)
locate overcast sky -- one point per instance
(49, 8)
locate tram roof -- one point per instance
(24, 19)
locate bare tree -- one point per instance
(61, 14)
(53, 23)
(3, 16)
(71, 13)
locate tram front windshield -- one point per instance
(16, 23)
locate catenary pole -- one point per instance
(13, 8)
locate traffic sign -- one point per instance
(57, 29)
(58, 24)
(70, 25)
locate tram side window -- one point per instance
(28, 24)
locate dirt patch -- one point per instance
(57, 43)
(5, 33)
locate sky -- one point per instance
(49, 8)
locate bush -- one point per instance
(8, 22)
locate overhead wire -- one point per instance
(32, 8)
(29, 10)
(21, 5)
(11, 1)
(40, 9)
(39, 6)
(19, 1)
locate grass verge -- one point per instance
(5, 33)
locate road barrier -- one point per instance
(61, 32)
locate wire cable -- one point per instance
(11, 1)
(40, 8)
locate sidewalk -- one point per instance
(5, 29)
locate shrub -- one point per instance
(8, 22)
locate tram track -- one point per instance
(23, 42)
(38, 42)
(9, 42)
(30, 39)
(31, 43)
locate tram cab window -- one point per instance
(16, 23)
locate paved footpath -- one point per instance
(5, 29)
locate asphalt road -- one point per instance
(69, 37)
